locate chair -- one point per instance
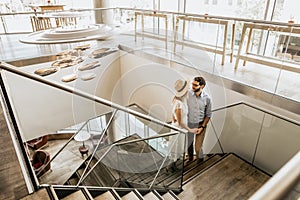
(40, 23)
(65, 21)
(38, 143)
(39, 162)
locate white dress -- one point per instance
(177, 104)
(177, 141)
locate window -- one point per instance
(215, 2)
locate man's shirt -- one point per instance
(198, 107)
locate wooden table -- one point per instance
(147, 14)
(215, 49)
(47, 7)
(51, 7)
(245, 55)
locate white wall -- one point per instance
(41, 109)
(148, 84)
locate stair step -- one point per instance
(230, 178)
(73, 180)
(40, 194)
(78, 195)
(79, 172)
(105, 196)
(168, 196)
(198, 167)
(150, 196)
(130, 196)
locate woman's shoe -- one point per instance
(171, 167)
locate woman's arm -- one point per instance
(178, 112)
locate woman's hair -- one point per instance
(182, 98)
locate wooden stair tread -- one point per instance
(78, 195)
(168, 196)
(105, 196)
(188, 174)
(231, 178)
(150, 196)
(130, 196)
(40, 194)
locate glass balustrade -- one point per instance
(260, 137)
(111, 139)
(133, 162)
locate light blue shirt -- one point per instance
(198, 107)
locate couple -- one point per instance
(192, 111)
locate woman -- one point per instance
(179, 119)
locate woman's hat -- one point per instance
(181, 87)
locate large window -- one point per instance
(170, 5)
(143, 4)
(286, 10)
(252, 9)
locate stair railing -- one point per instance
(85, 95)
(134, 141)
(94, 152)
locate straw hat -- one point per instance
(181, 87)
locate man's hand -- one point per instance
(199, 130)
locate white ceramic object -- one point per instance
(46, 71)
(69, 34)
(89, 66)
(88, 76)
(69, 78)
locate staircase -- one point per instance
(218, 177)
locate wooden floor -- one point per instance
(39, 195)
(66, 163)
(12, 184)
(231, 178)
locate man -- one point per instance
(199, 113)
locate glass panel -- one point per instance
(157, 169)
(142, 4)
(127, 124)
(16, 23)
(287, 84)
(169, 5)
(73, 4)
(238, 130)
(279, 142)
(285, 10)
(241, 8)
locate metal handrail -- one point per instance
(85, 95)
(260, 109)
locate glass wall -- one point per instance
(251, 9)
